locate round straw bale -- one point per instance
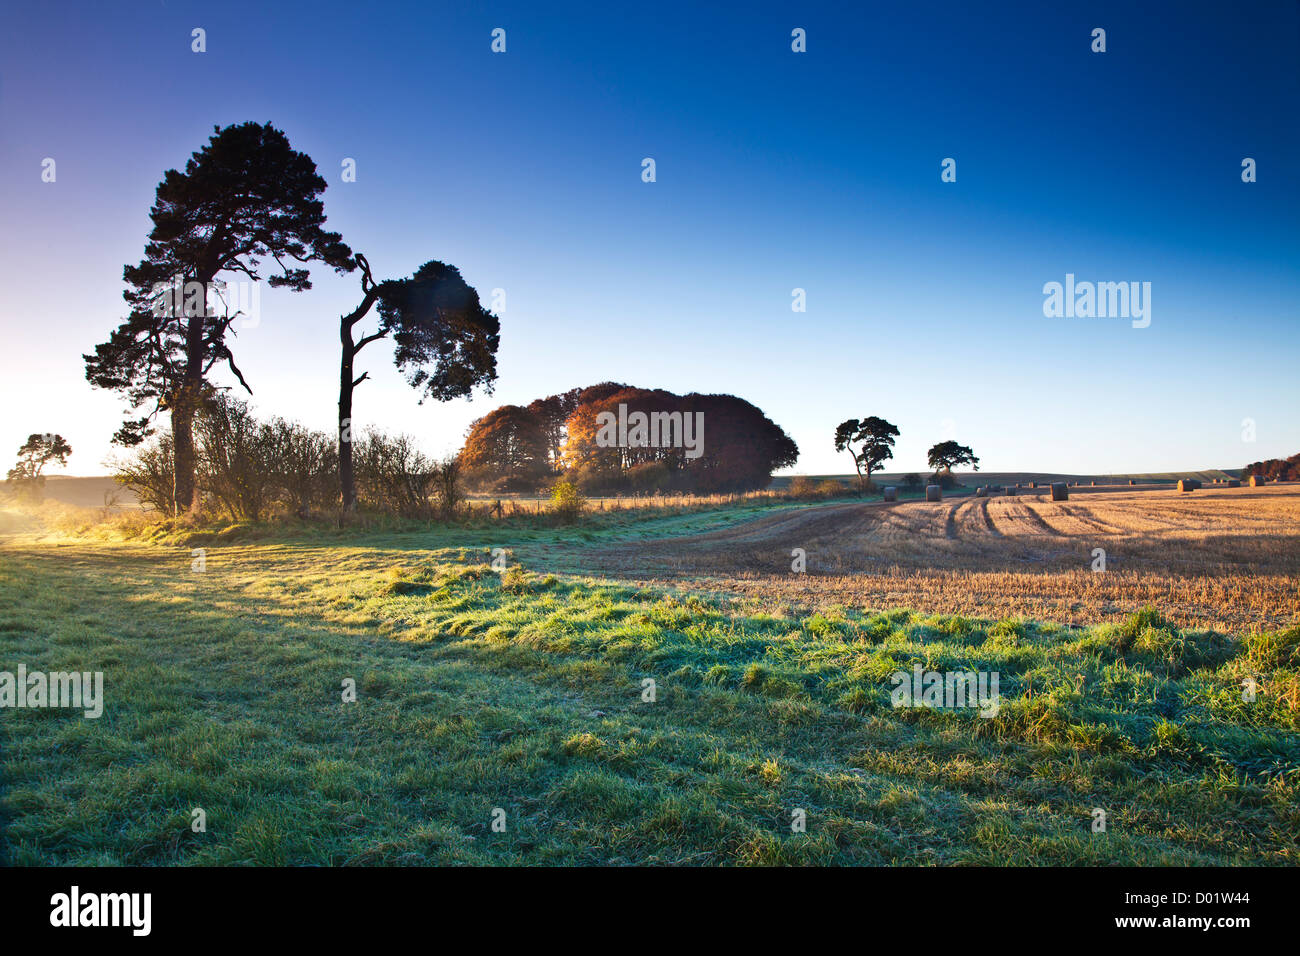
(933, 493)
(1060, 492)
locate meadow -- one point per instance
(517, 695)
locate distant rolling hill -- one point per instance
(88, 492)
(974, 478)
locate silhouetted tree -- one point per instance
(244, 197)
(875, 435)
(444, 341)
(948, 454)
(35, 453)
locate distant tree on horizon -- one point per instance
(245, 196)
(948, 454)
(38, 451)
(1275, 469)
(445, 343)
(875, 435)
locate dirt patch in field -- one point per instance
(1226, 558)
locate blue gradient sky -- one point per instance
(775, 170)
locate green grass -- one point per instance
(523, 692)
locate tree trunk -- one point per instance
(857, 465)
(184, 406)
(347, 477)
(183, 484)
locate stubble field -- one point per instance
(1218, 557)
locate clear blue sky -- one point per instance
(775, 170)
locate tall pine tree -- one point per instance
(245, 197)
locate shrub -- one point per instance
(447, 486)
(305, 464)
(801, 486)
(236, 457)
(567, 501)
(392, 475)
(150, 474)
(249, 469)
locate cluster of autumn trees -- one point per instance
(1275, 469)
(692, 443)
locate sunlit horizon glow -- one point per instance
(775, 171)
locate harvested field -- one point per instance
(1223, 557)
